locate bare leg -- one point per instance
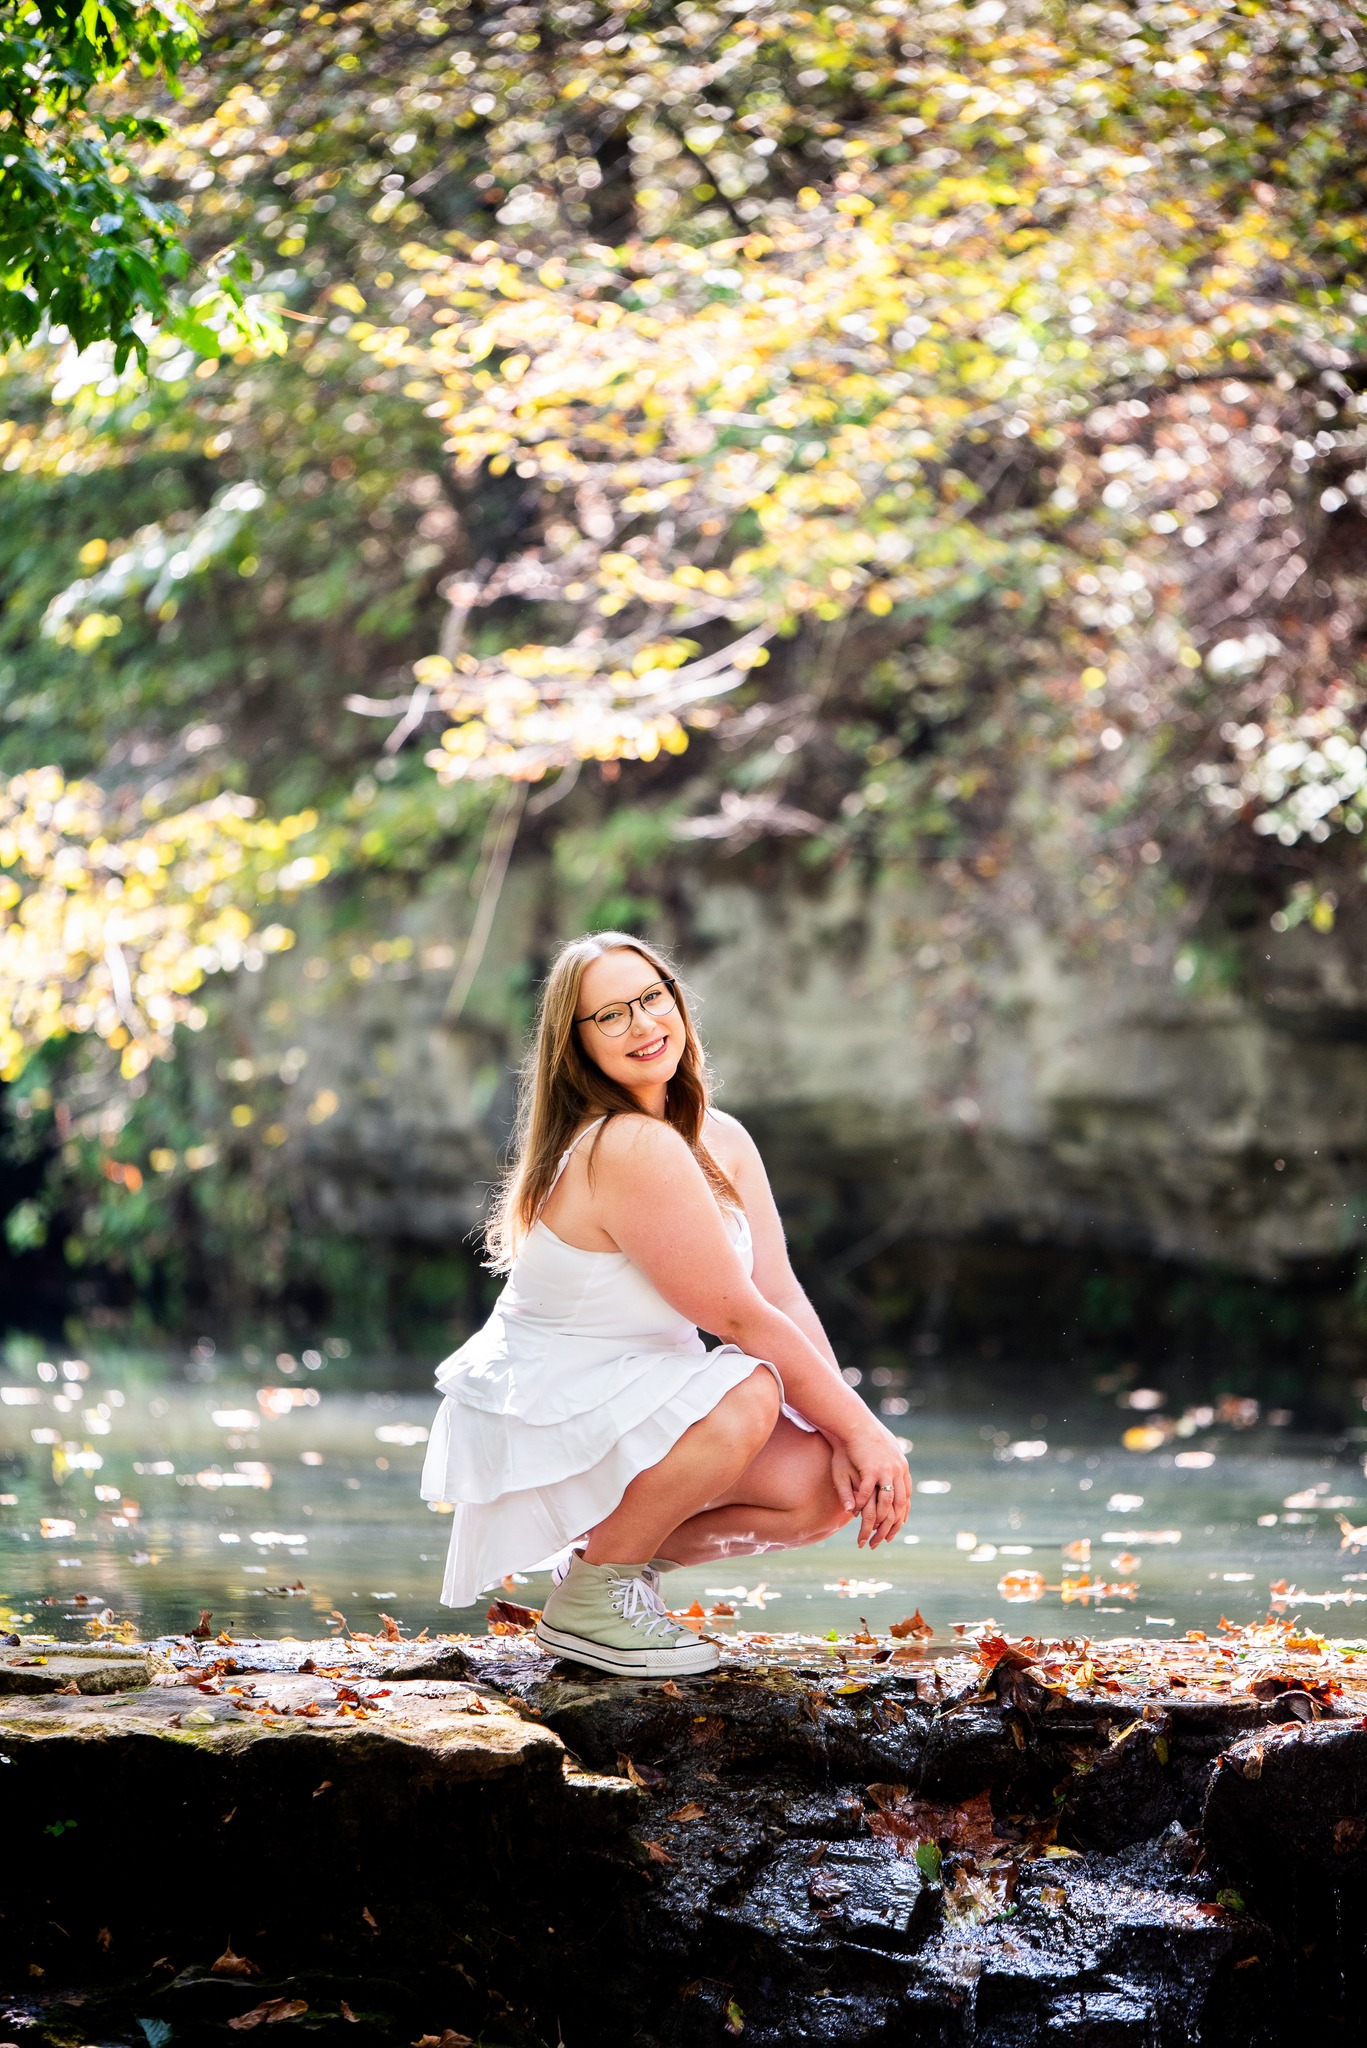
(704, 1463)
(785, 1497)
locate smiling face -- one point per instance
(646, 1056)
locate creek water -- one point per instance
(281, 1498)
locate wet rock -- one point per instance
(37, 1672)
(1122, 1792)
(1303, 1793)
(466, 1836)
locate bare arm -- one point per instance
(651, 1198)
(773, 1273)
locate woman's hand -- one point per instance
(871, 1477)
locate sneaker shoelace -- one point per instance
(639, 1602)
(561, 1571)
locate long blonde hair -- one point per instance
(560, 1086)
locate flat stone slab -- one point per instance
(64, 1671)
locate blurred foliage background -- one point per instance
(637, 439)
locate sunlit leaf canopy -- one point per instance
(84, 245)
(115, 934)
(947, 416)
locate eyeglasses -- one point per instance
(659, 1000)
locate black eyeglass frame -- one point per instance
(665, 981)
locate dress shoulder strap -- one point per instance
(567, 1154)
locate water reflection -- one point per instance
(280, 1508)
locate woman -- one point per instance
(588, 1411)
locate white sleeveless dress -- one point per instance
(582, 1377)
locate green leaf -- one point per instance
(928, 1861)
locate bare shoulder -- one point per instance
(735, 1151)
(632, 1143)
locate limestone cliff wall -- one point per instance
(1036, 1100)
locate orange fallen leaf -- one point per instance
(914, 1625)
(346, 2012)
(670, 1690)
(370, 1919)
(231, 1965)
(447, 2038)
(508, 1618)
(658, 1853)
(691, 1810)
(266, 2015)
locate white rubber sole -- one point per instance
(687, 1660)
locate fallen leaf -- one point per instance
(392, 1632)
(370, 1919)
(914, 1625)
(735, 2018)
(231, 1965)
(507, 1618)
(644, 1775)
(447, 2038)
(670, 1691)
(691, 1810)
(887, 1797)
(658, 1853)
(266, 2015)
(203, 1632)
(346, 2012)
(326, 1786)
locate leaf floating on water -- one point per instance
(690, 1810)
(915, 1626)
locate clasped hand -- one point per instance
(869, 1471)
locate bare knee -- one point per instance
(825, 1515)
(757, 1403)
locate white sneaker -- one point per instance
(611, 1617)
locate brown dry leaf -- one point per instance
(671, 1691)
(231, 1965)
(266, 2015)
(346, 2012)
(691, 1810)
(370, 1919)
(507, 1618)
(914, 1625)
(658, 1853)
(392, 1632)
(447, 2038)
(644, 1775)
(887, 1797)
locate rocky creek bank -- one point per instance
(1005, 1843)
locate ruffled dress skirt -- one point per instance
(582, 1378)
